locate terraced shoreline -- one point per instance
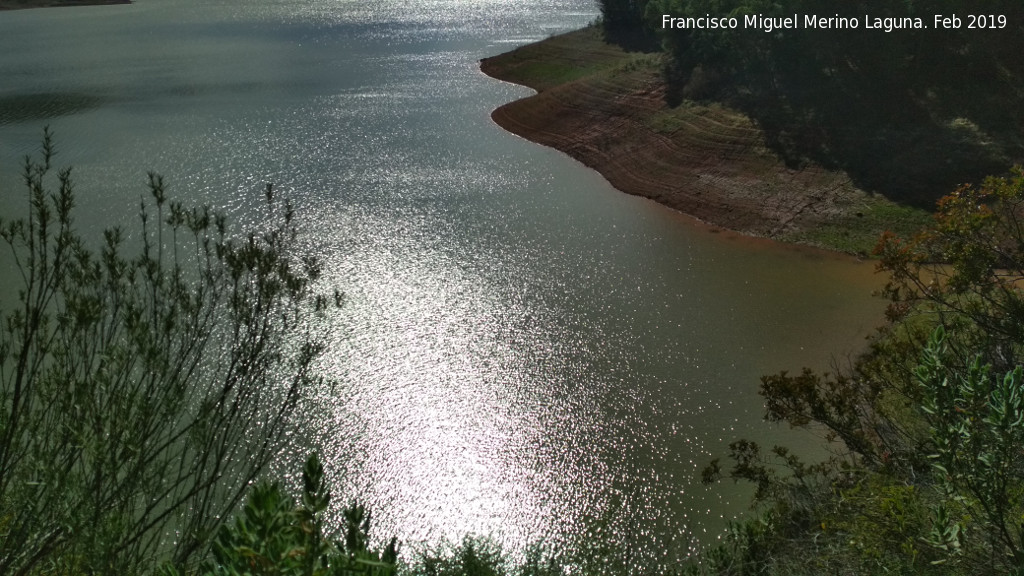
(606, 108)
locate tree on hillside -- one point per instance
(928, 477)
(623, 24)
(140, 395)
(909, 114)
(963, 273)
(966, 270)
(622, 13)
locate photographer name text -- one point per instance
(835, 22)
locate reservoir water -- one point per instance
(525, 353)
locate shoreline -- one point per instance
(606, 108)
(26, 4)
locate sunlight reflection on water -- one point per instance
(525, 353)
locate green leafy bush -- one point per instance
(274, 536)
(928, 477)
(977, 424)
(140, 395)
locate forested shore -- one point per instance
(823, 137)
(927, 427)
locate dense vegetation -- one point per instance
(274, 536)
(910, 114)
(141, 395)
(929, 478)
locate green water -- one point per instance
(525, 353)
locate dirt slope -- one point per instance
(606, 108)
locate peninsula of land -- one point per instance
(20, 4)
(610, 109)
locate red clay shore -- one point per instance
(606, 108)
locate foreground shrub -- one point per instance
(140, 395)
(927, 478)
(274, 536)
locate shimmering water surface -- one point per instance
(525, 353)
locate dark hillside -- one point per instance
(607, 107)
(909, 114)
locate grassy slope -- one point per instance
(606, 108)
